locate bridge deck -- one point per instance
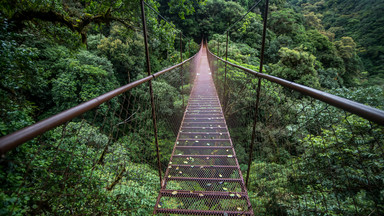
(203, 176)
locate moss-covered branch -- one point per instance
(117, 180)
(75, 24)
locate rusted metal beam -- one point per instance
(238, 180)
(207, 194)
(203, 212)
(203, 147)
(207, 167)
(204, 156)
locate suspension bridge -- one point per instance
(203, 175)
(204, 157)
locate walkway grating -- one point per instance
(203, 176)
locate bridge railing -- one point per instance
(99, 156)
(305, 151)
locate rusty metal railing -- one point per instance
(367, 112)
(99, 157)
(17, 138)
(313, 152)
(95, 151)
(309, 152)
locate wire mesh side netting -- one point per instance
(101, 162)
(93, 163)
(309, 157)
(104, 162)
(203, 175)
(171, 92)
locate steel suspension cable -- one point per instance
(241, 18)
(162, 17)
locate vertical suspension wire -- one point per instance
(281, 110)
(110, 170)
(258, 91)
(150, 87)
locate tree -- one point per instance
(296, 65)
(76, 16)
(287, 22)
(249, 32)
(184, 7)
(347, 51)
(360, 20)
(82, 79)
(125, 53)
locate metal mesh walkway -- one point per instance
(203, 176)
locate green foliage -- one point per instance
(211, 16)
(347, 51)
(269, 183)
(184, 7)
(272, 52)
(360, 20)
(287, 22)
(192, 47)
(82, 79)
(332, 169)
(46, 70)
(238, 52)
(296, 65)
(344, 152)
(74, 16)
(305, 157)
(329, 78)
(216, 16)
(89, 193)
(325, 51)
(126, 54)
(250, 31)
(17, 78)
(169, 99)
(371, 96)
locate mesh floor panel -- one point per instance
(203, 176)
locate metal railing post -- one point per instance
(150, 88)
(225, 76)
(181, 69)
(257, 92)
